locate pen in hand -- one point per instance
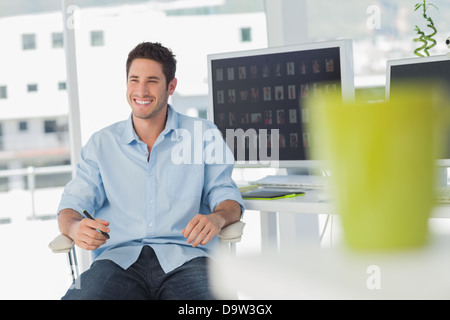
(90, 217)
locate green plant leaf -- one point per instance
(432, 5)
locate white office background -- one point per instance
(381, 30)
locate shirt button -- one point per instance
(150, 225)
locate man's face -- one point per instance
(147, 91)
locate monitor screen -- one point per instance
(427, 70)
(258, 98)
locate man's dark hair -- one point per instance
(155, 51)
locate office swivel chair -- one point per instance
(228, 237)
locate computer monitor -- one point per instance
(434, 73)
(258, 98)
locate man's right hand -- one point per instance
(86, 235)
(81, 230)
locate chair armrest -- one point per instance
(232, 232)
(61, 244)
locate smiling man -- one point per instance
(162, 217)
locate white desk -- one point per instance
(337, 273)
(303, 226)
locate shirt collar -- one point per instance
(130, 135)
(171, 122)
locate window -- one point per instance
(3, 92)
(23, 126)
(246, 34)
(29, 41)
(1, 136)
(50, 126)
(32, 87)
(203, 114)
(97, 38)
(62, 86)
(57, 40)
(381, 31)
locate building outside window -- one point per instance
(29, 41)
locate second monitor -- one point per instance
(258, 98)
(432, 73)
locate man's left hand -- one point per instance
(202, 228)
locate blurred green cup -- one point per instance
(382, 162)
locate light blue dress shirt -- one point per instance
(149, 200)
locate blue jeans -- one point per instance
(145, 279)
